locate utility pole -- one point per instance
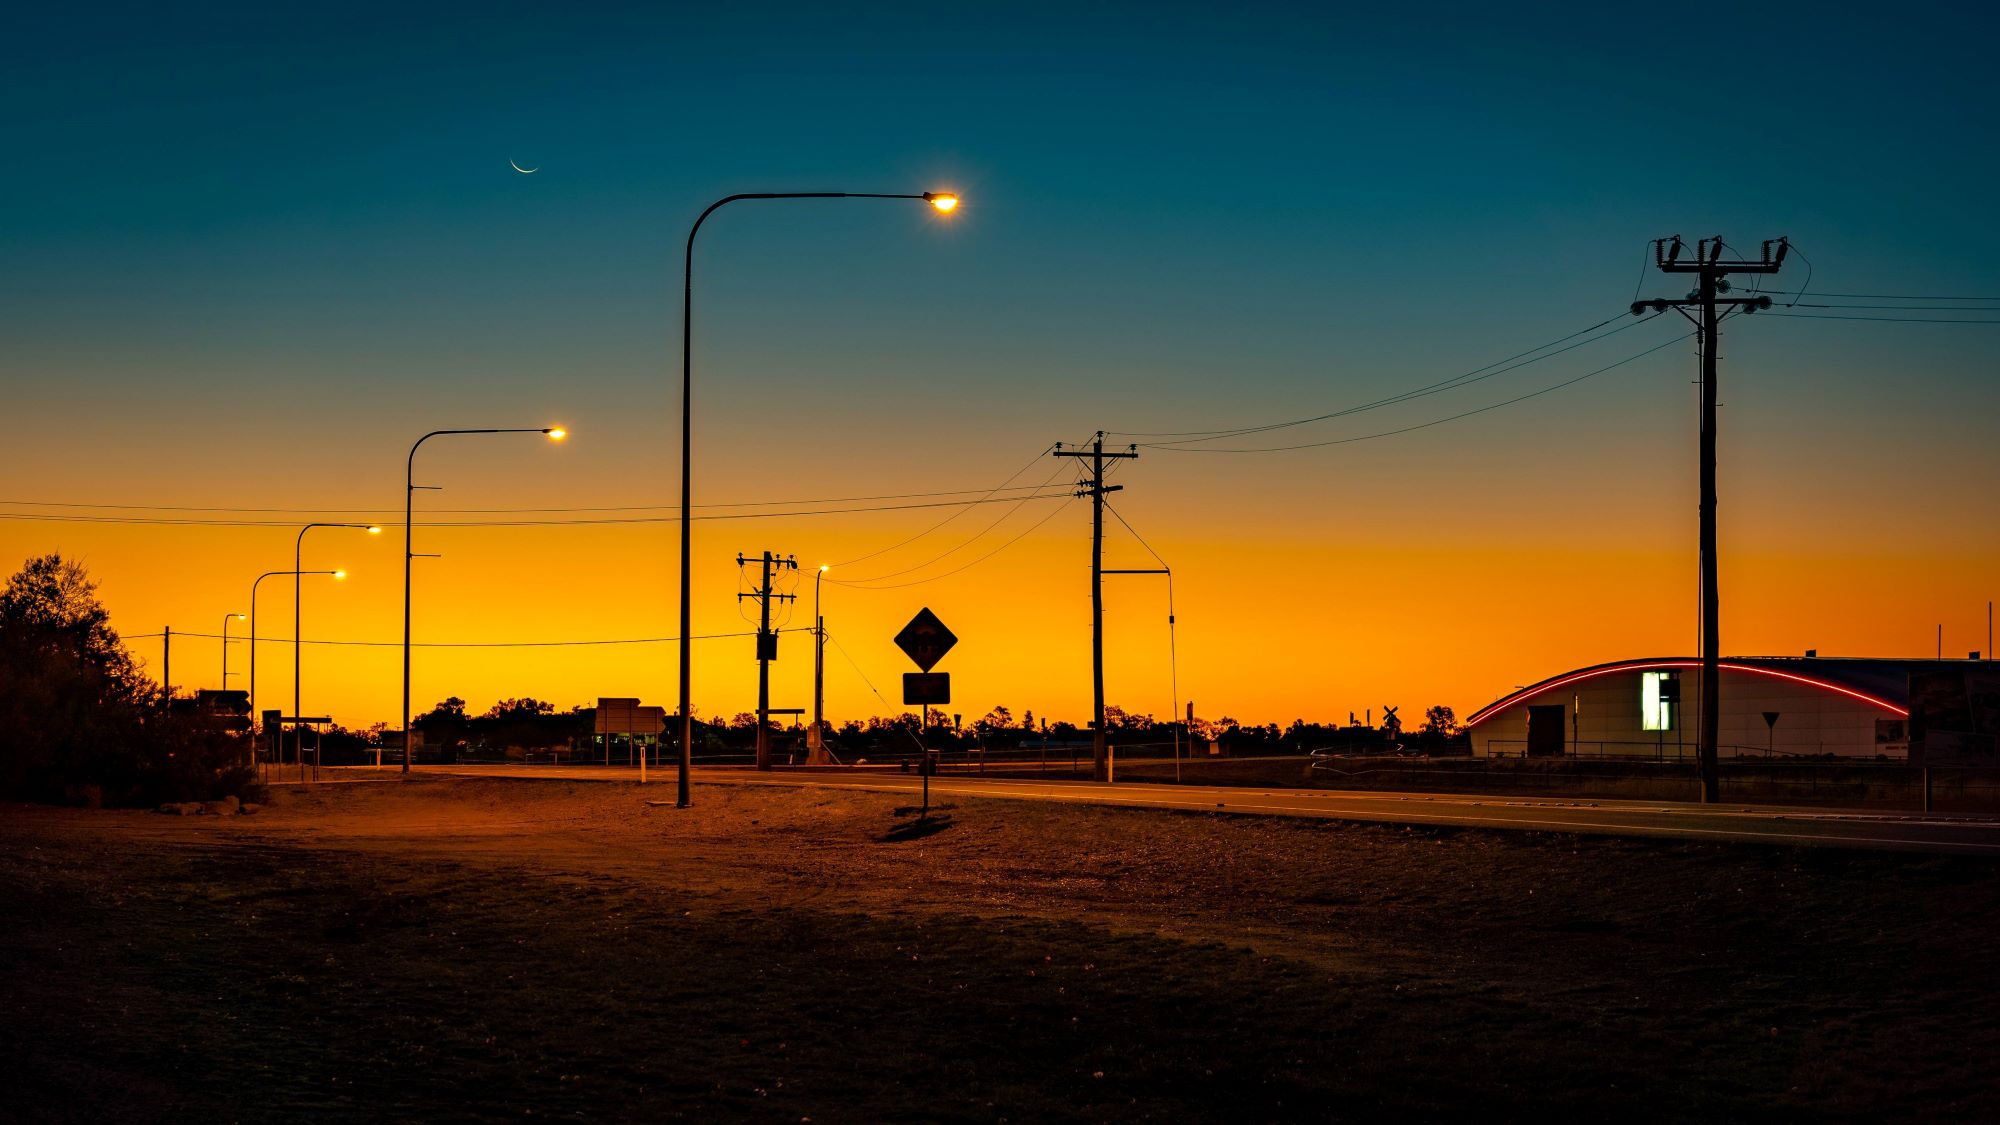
(1712, 279)
(816, 752)
(1097, 490)
(167, 665)
(767, 649)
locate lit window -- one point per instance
(1658, 692)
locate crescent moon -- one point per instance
(523, 171)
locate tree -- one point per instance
(1440, 722)
(78, 722)
(525, 707)
(445, 726)
(529, 724)
(50, 607)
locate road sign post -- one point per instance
(925, 640)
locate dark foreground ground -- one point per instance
(481, 949)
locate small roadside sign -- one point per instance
(930, 689)
(925, 639)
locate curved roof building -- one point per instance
(1853, 707)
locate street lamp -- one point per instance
(298, 553)
(410, 486)
(944, 203)
(271, 750)
(226, 619)
(816, 739)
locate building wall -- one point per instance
(1604, 719)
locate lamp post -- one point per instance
(410, 486)
(226, 619)
(271, 750)
(944, 203)
(298, 614)
(816, 738)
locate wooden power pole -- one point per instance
(767, 649)
(1096, 489)
(1711, 274)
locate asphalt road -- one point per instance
(1667, 820)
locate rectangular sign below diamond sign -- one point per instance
(925, 639)
(930, 689)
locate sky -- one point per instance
(249, 255)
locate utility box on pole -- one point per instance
(767, 647)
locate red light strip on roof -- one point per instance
(1490, 709)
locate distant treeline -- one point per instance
(534, 726)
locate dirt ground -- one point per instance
(468, 950)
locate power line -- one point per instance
(1904, 308)
(987, 497)
(1475, 375)
(1053, 512)
(507, 511)
(1425, 392)
(1435, 421)
(1889, 296)
(950, 551)
(1196, 434)
(1173, 642)
(857, 670)
(466, 644)
(171, 521)
(1887, 319)
(1135, 534)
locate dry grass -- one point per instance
(469, 950)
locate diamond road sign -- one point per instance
(925, 639)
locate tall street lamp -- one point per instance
(271, 750)
(816, 738)
(944, 203)
(410, 486)
(298, 614)
(226, 619)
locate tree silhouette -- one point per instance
(1440, 722)
(526, 707)
(77, 719)
(50, 606)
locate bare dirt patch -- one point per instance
(475, 949)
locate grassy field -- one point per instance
(479, 949)
(1827, 784)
